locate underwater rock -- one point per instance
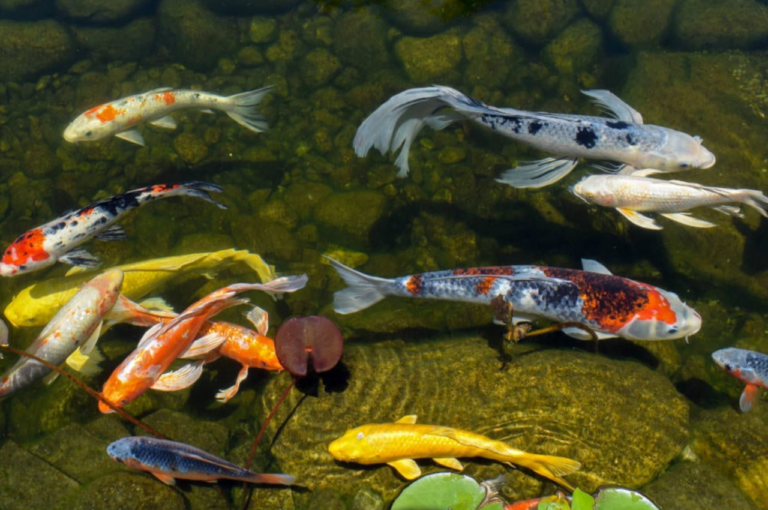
(713, 97)
(302, 197)
(490, 52)
(128, 489)
(568, 403)
(132, 41)
(26, 6)
(537, 21)
(265, 238)
(736, 443)
(422, 18)
(98, 10)
(77, 453)
(713, 24)
(190, 148)
(352, 213)
(277, 211)
(250, 7)
(40, 161)
(369, 53)
(698, 484)
(598, 9)
(641, 23)
(262, 30)
(195, 36)
(430, 59)
(24, 475)
(207, 435)
(319, 67)
(29, 49)
(576, 49)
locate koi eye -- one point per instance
(672, 330)
(684, 165)
(88, 133)
(727, 367)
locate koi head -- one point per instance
(596, 189)
(95, 124)
(354, 446)
(679, 152)
(734, 361)
(665, 317)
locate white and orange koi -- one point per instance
(77, 325)
(163, 343)
(56, 240)
(120, 117)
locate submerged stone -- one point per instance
(353, 213)
(98, 10)
(641, 23)
(430, 59)
(132, 41)
(319, 67)
(598, 9)
(537, 21)
(714, 24)
(576, 49)
(250, 7)
(29, 49)
(128, 491)
(422, 17)
(490, 52)
(567, 403)
(190, 148)
(262, 30)
(369, 53)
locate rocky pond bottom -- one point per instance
(625, 423)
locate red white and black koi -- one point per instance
(120, 117)
(610, 305)
(623, 139)
(748, 366)
(55, 241)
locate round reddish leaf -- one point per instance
(302, 338)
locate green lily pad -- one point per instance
(441, 491)
(619, 498)
(553, 503)
(582, 501)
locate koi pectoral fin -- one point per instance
(748, 397)
(79, 258)
(227, 394)
(203, 345)
(179, 379)
(407, 468)
(645, 172)
(166, 479)
(113, 233)
(450, 462)
(166, 122)
(260, 319)
(688, 220)
(132, 136)
(639, 219)
(537, 174)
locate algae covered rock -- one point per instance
(641, 23)
(190, 148)
(262, 30)
(249, 7)
(735, 24)
(319, 67)
(370, 52)
(29, 49)
(737, 444)
(576, 49)
(700, 485)
(98, 10)
(423, 18)
(30, 482)
(537, 21)
(430, 59)
(352, 213)
(128, 489)
(18, 6)
(490, 52)
(598, 9)
(132, 41)
(552, 402)
(195, 36)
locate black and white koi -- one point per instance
(750, 367)
(56, 240)
(631, 196)
(623, 139)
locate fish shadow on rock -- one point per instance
(704, 395)
(755, 246)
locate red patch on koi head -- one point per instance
(657, 308)
(484, 287)
(28, 247)
(414, 284)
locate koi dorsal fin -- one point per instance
(410, 419)
(609, 102)
(594, 266)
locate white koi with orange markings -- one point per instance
(120, 117)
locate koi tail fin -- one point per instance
(549, 466)
(754, 199)
(200, 189)
(363, 290)
(242, 109)
(270, 478)
(395, 124)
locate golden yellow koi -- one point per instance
(397, 444)
(36, 304)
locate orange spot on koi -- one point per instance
(108, 113)
(168, 98)
(484, 287)
(25, 248)
(414, 284)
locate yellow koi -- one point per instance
(36, 304)
(397, 444)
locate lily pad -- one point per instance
(582, 501)
(619, 498)
(553, 503)
(441, 491)
(302, 338)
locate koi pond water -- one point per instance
(359, 142)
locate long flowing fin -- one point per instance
(638, 219)
(688, 220)
(242, 109)
(537, 174)
(200, 189)
(611, 103)
(270, 478)
(363, 290)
